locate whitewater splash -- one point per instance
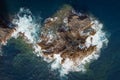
(27, 26)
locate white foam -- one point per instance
(57, 63)
(37, 50)
(26, 25)
(99, 38)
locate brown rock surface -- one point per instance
(5, 32)
(62, 34)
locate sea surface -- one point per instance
(19, 63)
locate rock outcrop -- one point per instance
(5, 31)
(65, 33)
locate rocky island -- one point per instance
(67, 39)
(65, 33)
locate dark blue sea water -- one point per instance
(17, 64)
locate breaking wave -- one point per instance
(30, 29)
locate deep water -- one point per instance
(19, 63)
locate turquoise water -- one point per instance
(19, 63)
